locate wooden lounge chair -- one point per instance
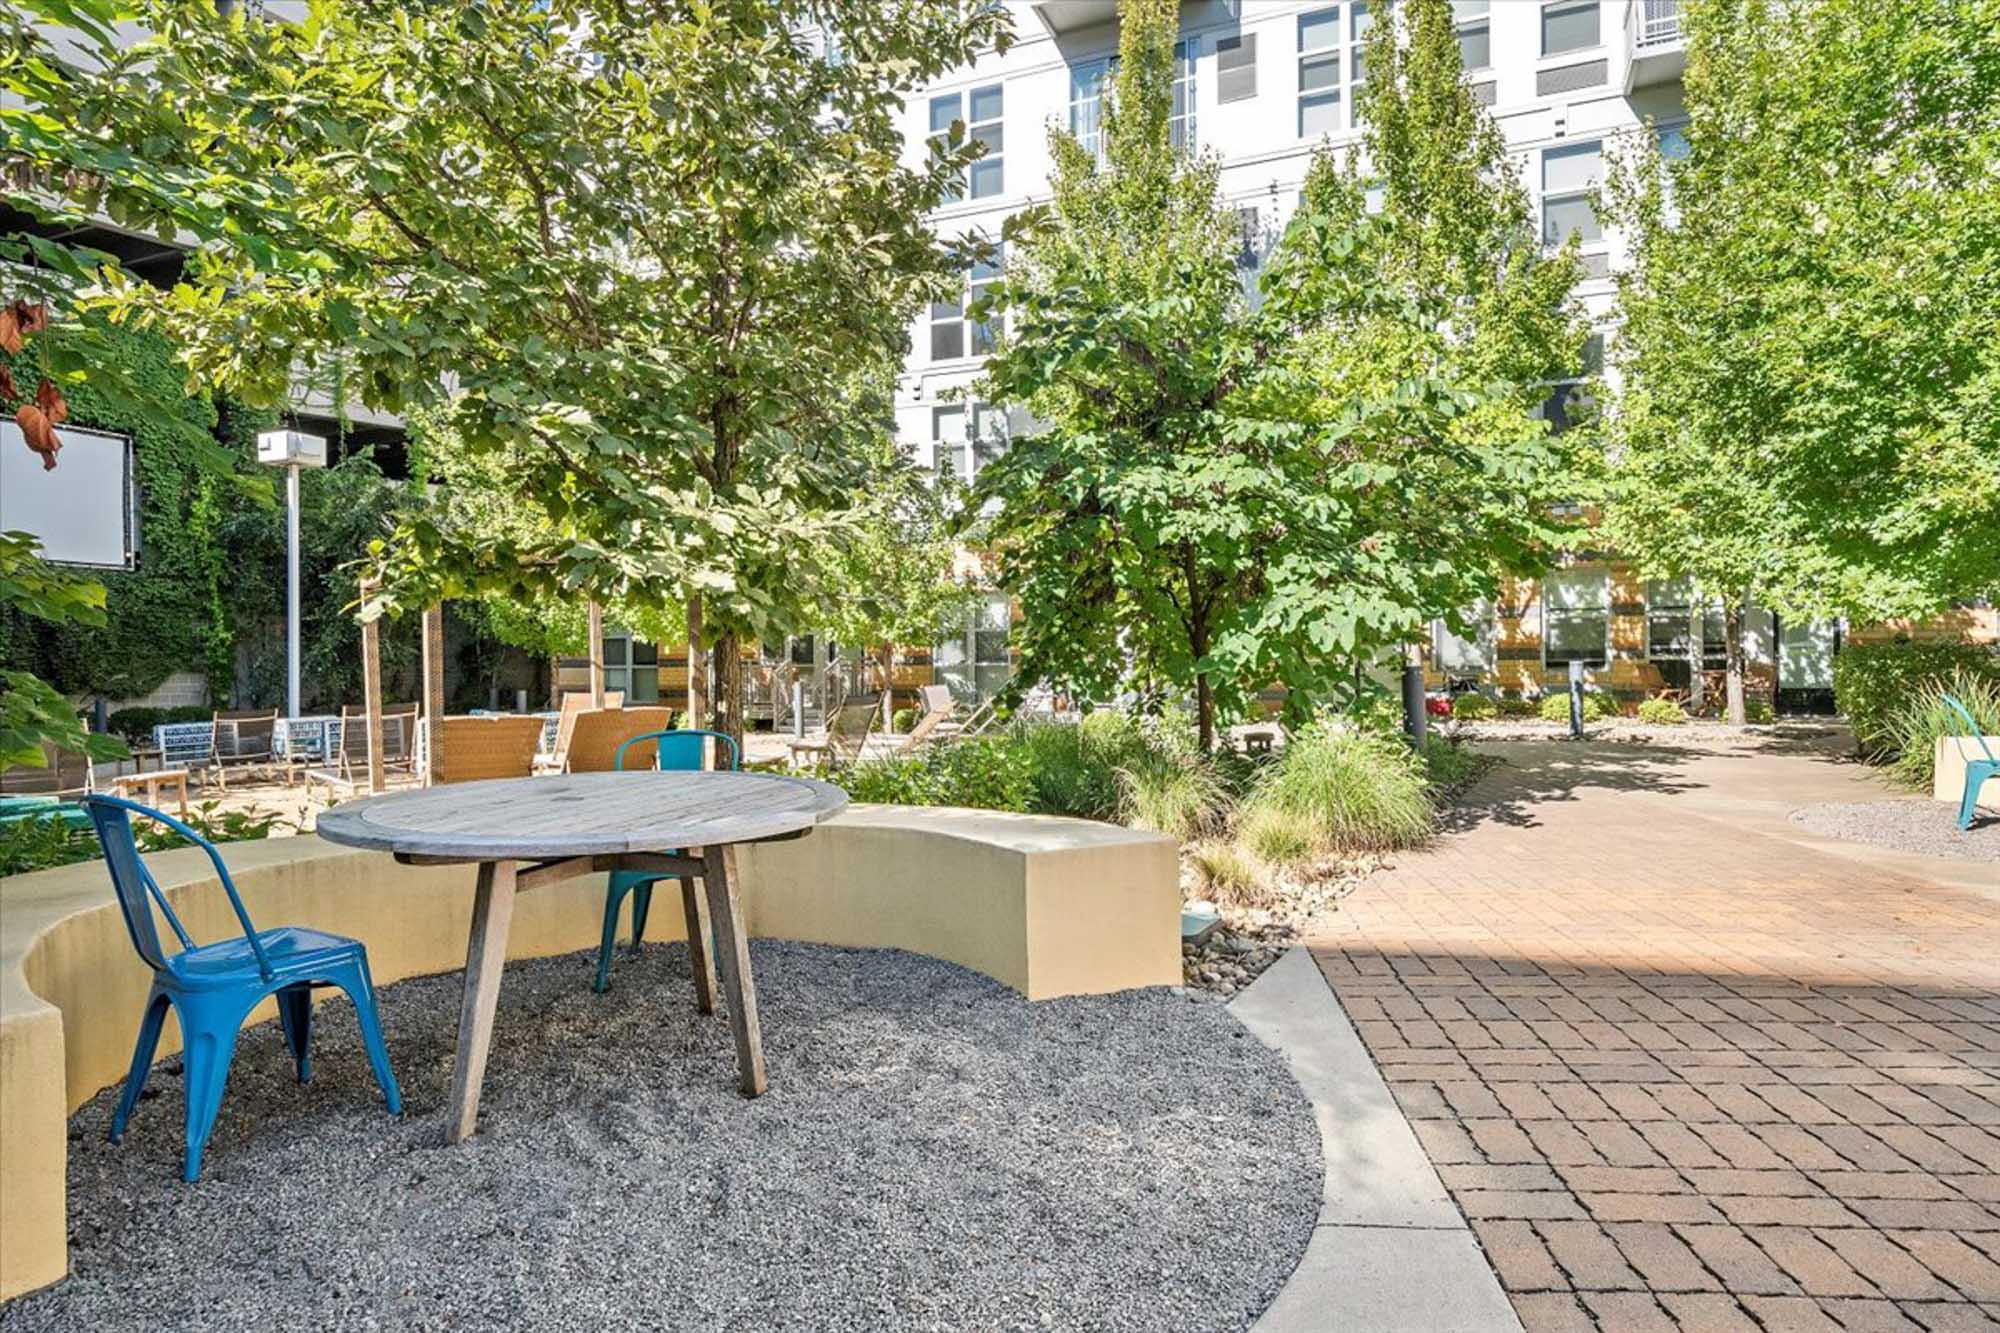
(474, 748)
(574, 705)
(846, 735)
(347, 760)
(939, 709)
(243, 743)
(593, 746)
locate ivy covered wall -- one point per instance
(162, 616)
(208, 593)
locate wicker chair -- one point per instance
(593, 746)
(473, 748)
(347, 765)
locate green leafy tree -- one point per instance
(1223, 496)
(32, 714)
(1810, 341)
(642, 255)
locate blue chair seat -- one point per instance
(1977, 771)
(292, 951)
(212, 988)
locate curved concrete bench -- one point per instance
(1047, 906)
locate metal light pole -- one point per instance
(292, 450)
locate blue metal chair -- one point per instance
(678, 751)
(1976, 770)
(213, 987)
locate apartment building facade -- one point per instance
(1263, 84)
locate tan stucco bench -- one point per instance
(1047, 906)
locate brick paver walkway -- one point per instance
(1682, 1070)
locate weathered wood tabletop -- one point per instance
(526, 832)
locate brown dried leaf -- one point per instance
(8, 389)
(49, 398)
(38, 431)
(32, 318)
(10, 332)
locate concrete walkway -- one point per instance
(1682, 1066)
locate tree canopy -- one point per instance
(1224, 494)
(644, 256)
(1810, 341)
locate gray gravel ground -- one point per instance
(1913, 824)
(934, 1153)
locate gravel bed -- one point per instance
(1913, 824)
(934, 1153)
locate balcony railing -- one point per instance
(1654, 23)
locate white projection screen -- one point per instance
(83, 511)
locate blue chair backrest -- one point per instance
(138, 892)
(680, 750)
(1951, 702)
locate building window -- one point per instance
(1475, 33)
(1576, 617)
(975, 664)
(1363, 20)
(1568, 25)
(1086, 100)
(632, 666)
(1319, 73)
(1570, 402)
(1086, 104)
(1670, 626)
(960, 452)
(946, 111)
(954, 332)
(988, 173)
(1180, 125)
(1236, 68)
(1569, 174)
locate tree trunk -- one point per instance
(1697, 655)
(727, 662)
(1204, 712)
(1732, 619)
(697, 668)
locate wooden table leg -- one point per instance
(701, 959)
(733, 944)
(181, 783)
(485, 956)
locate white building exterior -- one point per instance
(1267, 82)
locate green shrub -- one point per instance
(1555, 707)
(982, 772)
(1662, 712)
(902, 720)
(1274, 836)
(1924, 717)
(1074, 766)
(42, 843)
(1224, 871)
(1873, 681)
(1447, 764)
(1345, 791)
(1473, 708)
(1758, 711)
(1181, 797)
(135, 726)
(1511, 707)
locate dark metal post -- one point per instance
(1413, 701)
(1576, 700)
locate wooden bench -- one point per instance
(148, 785)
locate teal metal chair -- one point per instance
(1976, 770)
(213, 987)
(679, 751)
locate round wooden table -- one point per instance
(527, 832)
